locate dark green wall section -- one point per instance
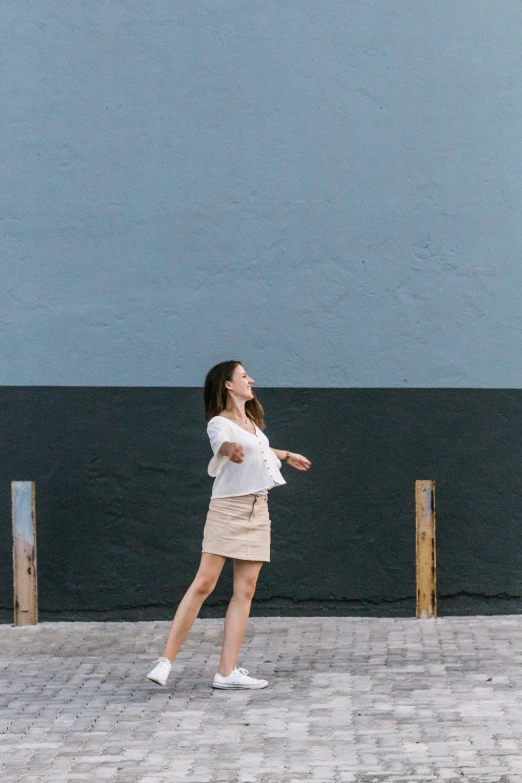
(122, 493)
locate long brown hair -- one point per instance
(215, 394)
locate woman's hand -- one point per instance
(234, 451)
(298, 461)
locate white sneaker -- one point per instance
(161, 671)
(237, 680)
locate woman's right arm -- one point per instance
(218, 431)
(234, 451)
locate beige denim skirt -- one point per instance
(238, 527)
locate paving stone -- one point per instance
(350, 701)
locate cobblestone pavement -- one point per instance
(363, 700)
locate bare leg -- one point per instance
(203, 584)
(245, 580)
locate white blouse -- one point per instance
(259, 470)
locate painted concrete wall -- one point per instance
(328, 190)
(122, 494)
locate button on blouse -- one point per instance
(259, 470)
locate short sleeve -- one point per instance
(219, 431)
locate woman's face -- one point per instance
(241, 384)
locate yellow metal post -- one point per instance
(24, 553)
(425, 549)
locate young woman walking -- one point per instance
(244, 467)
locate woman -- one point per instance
(244, 468)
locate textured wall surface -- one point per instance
(122, 494)
(328, 191)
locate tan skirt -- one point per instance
(238, 527)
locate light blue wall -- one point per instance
(327, 190)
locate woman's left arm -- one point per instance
(295, 460)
